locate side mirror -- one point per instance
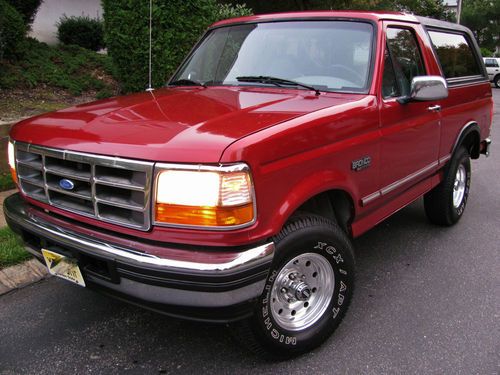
(427, 88)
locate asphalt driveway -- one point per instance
(427, 302)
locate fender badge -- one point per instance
(360, 164)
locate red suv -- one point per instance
(234, 192)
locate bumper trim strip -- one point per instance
(14, 211)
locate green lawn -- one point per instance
(6, 182)
(11, 249)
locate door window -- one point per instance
(403, 61)
(390, 88)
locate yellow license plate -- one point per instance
(63, 267)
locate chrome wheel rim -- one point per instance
(302, 291)
(459, 186)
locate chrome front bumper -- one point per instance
(144, 279)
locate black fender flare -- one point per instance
(469, 128)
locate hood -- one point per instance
(173, 124)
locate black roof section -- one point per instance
(431, 22)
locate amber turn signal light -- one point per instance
(204, 216)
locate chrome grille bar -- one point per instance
(113, 190)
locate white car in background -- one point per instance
(493, 69)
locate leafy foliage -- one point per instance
(485, 52)
(67, 67)
(232, 11)
(483, 18)
(27, 9)
(177, 24)
(430, 8)
(12, 30)
(82, 31)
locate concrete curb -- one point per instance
(22, 275)
(3, 195)
(11, 121)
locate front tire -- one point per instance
(308, 289)
(445, 204)
(496, 81)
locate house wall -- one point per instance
(51, 11)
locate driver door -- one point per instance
(411, 131)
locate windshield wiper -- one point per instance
(186, 82)
(276, 81)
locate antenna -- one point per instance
(150, 86)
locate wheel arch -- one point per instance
(470, 137)
(334, 204)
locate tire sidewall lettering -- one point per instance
(341, 292)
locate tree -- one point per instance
(27, 9)
(12, 30)
(429, 8)
(482, 17)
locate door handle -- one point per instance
(434, 108)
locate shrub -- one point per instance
(177, 24)
(6, 182)
(71, 68)
(82, 31)
(486, 52)
(12, 30)
(27, 9)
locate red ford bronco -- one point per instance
(233, 193)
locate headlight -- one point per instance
(204, 196)
(10, 151)
(12, 160)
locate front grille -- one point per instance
(113, 190)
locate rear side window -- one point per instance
(491, 63)
(455, 55)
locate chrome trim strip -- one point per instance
(395, 185)
(239, 167)
(370, 198)
(252, 257)
(389, 188)
(99, 181)
(444, 159)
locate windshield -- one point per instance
(327, 55)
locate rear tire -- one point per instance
(496, 81)
(308, 289)
(445, 204)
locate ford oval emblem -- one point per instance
(66, 184)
